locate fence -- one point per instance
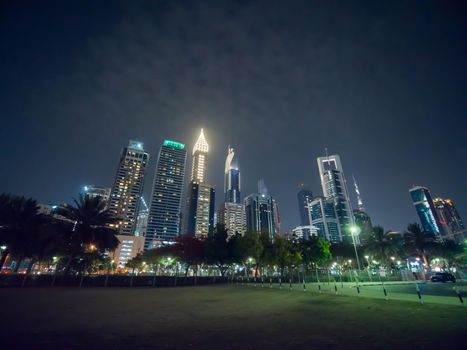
(20, 280)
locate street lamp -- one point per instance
(354, 230)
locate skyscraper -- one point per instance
(259, 210)
(450, 218)
(426, 211)
(199, 213)
(323, 217)
(128, 186)
(166, 199)
(142, 219)
(304, 197)
(334, 187)
(232, 212)
(361, 217)
(231, 178)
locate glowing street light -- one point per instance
(354, 230)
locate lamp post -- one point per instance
(354, 230)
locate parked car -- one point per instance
(443, 277)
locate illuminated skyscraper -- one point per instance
(449, 218)
(199, 213)
(231, 178)
(232, 213)
(128, 186)
(200, 153)
(304, 197)
(166, 199)
(259, 209)
(323, 216)
(426, 211)
(334, 187)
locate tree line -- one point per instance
(77, 237)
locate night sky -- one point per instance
(382, 84)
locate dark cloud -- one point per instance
(382, 84)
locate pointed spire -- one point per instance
(201, 145)
(359, 198)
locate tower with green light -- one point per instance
(166, 199)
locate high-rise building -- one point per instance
(260, 213)
(232, 216)
(422, 200)
(359, 197)
(142, 219)
(97, 192)
(304, 197)
(231, 178)
(334, 187)
(323, 217)
(166, 199)
(449, 218)
(276, 217)
(199, 213)
(232, 212)
(128, 186)
(128, 248)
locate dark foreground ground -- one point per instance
(220, 317)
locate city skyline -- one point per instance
(280, 96)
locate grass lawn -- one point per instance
(220, 317)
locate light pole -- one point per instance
(354, 230)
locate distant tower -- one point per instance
(231, 178)
(359, 198)
(324, 219)
(166, 199)
(334, 187)
(128, 186)
(304, 197)
(142, 219)
(426, 211)
(259, 208)
(199, 213)
(450, 218)
(232, 212)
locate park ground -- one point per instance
(221, 317)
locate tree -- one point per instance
(23, 230)
(450, 251)
(418, 242)
(90, 227)
(217, 249)
(314, 251)
(285, 254)
(380, 246)
(250, 247)
(190, 250)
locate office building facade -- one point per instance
(199, 212)
(166, 200)
(323, 216)
(128, 187)
(334, 187)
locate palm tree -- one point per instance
(380, 246)
(89, 227)
(23, 230)
(419, 242)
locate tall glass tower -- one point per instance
(304, 197)
(128, 186)
(334, 187)
(421, 198)
(231, 178)
(166, 200)
(199, 213)
(232, 213)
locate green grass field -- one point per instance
(220, 317)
